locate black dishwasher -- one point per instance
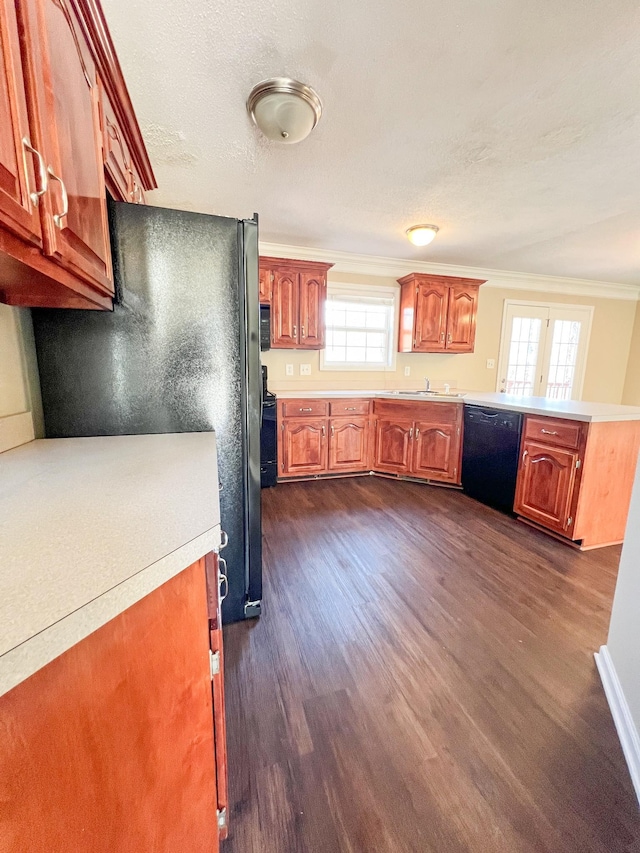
(490, 453)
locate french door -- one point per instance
(543, 351)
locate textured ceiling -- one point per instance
(513, 126)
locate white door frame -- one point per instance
(578, 383)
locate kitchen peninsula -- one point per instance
(577, 459)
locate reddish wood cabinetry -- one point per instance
(100, 745)
(66, 104)
(575, 478)
(438, 313)
(408, 438)
(297, 293)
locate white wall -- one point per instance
(623, 642)
(20, 408)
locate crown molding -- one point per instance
(347, 262)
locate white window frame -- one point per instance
(581, 369)
(359, 291)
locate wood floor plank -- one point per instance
(422, 681)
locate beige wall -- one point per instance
(631, 396)
(613, 322)
(19, 391)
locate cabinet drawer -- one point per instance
(304, 408)
(553, 431)
(349, 407)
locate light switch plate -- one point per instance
(305, 370)
(407, 371)
(491, 364)
(288, 369)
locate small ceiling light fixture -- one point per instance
(285, 110)
(422, 235)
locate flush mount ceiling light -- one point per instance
(285, 110)
(422, 235)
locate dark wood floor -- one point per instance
(422, 679)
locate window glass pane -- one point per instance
(562, 365)
(523, 355)
(360, 328)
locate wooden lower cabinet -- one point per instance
(303, 447)
(575, 478)
(349, 444)
(546, 485)
(436, 451)
(393, 446)
(407, 438)
(114, 745)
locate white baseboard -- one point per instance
(627, 731)
(16, 430)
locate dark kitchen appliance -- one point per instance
(490, 452)
(179, 353)
(268, 436)
(265, 327)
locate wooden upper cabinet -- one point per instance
(349, 444)
(22, 175)
(438, 313)
(265, 278)
(65, 96)
(66, 118)
(313, 297)
(430, 318)
(545, 485)
(462, 308)
(285, 309)
(297, 292)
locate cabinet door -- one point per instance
(461, 318)
(100, 745)
(64, 101)
(304, 447)
(285, 309)
(393, 446)
(313, 297)
(348, 444)
(116, 156)
(545, 484)
(430, 318)
(265, 286)
(436, 451)
(21, 176)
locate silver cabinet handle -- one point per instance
(333, 431)
(324, 431)
(308, 409)
(411, 434)
(350, 409)
(418, 432)
(223, 578)
(449, 338)
(441, 337)
(549, 432)
(302, 331)
(524, 455)
(58, 217)
(224, 539)
(42, 171)
(295, 331)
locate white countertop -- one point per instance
(89, 526)
(570, 409)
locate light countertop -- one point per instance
(569, 409)
(89, 526)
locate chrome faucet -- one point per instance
(427, 386)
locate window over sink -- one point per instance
(361, 327)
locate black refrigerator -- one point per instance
(180, 352)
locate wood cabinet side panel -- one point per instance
(608, 472)
(110, 746)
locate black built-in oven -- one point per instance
(268, 436)
(265, 328)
